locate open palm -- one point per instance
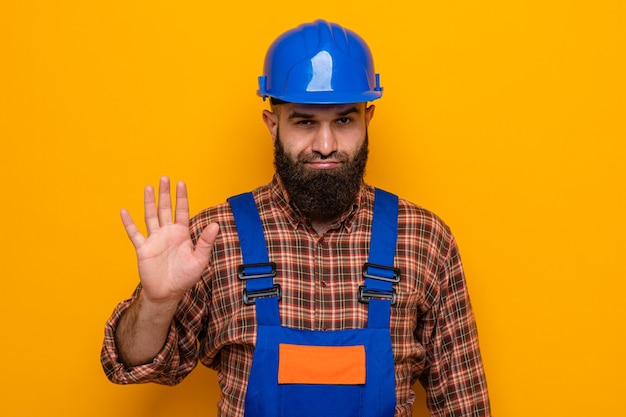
(169, 263)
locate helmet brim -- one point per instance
(325, 97)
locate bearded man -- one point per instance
(316, 294)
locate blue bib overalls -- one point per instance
(306, 373)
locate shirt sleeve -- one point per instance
(454, 379)
(173, 363)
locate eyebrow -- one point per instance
(298, 115)
(348, 111)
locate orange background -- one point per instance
(505, 118)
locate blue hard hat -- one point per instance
(319, 63)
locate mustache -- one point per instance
(315, 157)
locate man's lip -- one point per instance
(323, 164)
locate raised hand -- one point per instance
(169, 263)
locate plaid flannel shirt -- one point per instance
(434, 338)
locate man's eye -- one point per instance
(304, 122)
(344, 120)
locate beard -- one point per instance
(321, 194)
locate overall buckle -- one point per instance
(241, 271)
(394, 279)
(249, 297)
(366, 295)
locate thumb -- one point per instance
(206, 240)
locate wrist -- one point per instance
(156, 311)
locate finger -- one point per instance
(182, 204)
(150, 210)
(131, 229)
(165, 202)
(206, 240)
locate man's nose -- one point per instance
(325, 142)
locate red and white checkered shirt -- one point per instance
(433, 332)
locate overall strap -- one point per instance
(379, 272)
(257, 270)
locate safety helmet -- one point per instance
(319, 63)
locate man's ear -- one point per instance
(369, 114)
(271, 121)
